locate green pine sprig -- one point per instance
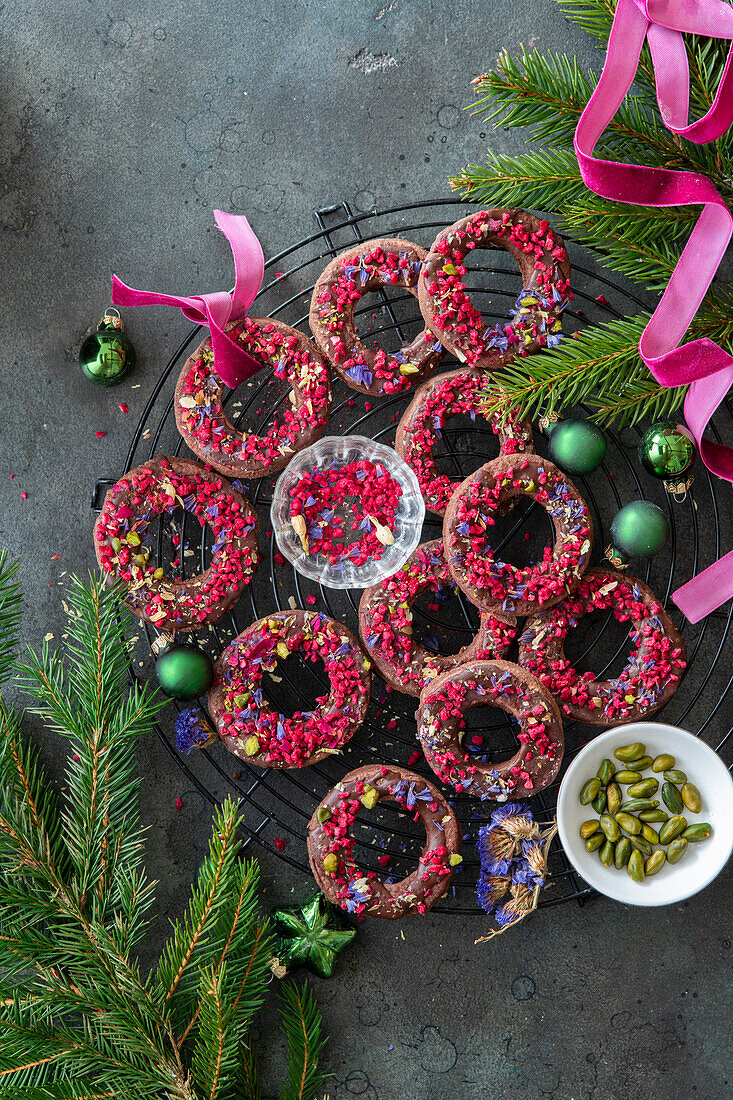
(79, 1020)
(544, 95)
(301, 1022)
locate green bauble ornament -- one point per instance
(640, 529)
(311, 935)
(667, 451)
(577, 446)
(107, 355)
(184, 671)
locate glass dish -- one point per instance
(408, 520)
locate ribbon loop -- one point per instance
(220, 307)
(702, 365)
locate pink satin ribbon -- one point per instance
(217, 309)
(702, 364)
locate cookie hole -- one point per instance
(388, 829)
(295, 684)
(379, 323)
(598, 636)
(521, 535)
(464, 444)
(489, 734)
(493, 282)
(257, 406)
(442, 621)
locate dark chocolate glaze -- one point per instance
(137, 597)
(297, 621)
(546, 629)
(399, 899)
(249, 466)
(530, 704)
(420, 351)
(456, 544)
(429, 305)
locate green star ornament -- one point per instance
(312, 935)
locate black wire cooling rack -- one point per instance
(277, 804)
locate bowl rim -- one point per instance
(649, 900)
(398, 468)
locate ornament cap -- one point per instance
(111, 319)
(678, 489)
(615, 557)
(548, 421)
(163, 642)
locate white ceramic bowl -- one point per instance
(702, 861)
(408, 520)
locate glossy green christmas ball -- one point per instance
(640, 529)
(184, 671)
(666, 451)
(577, 446)
(107, 355)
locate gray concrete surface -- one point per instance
(123, 124)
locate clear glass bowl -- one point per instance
(408, 521)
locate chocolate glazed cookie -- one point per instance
(385, 624)
(365, 268)
(435, 402)
(440, 719)
(652, 673)
(545, 269)
(331, 845)
(251, 728)
(199, 408)
(161, 487)
(499, 586)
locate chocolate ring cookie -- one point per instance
(251, 729)
(435, 402)
(545, 269)
(652, 673)
(160, 487)
(330, 845)
(516, 691)
(367, 267)
(499, 586)
(385, 624)
(204, 425)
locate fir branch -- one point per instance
(11, 600)
(221, 928)
(547, 93)
(302, 1023)
(84, 693)
(539, 180)
(77, 1019)
(599, 367)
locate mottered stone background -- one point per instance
(124, 123)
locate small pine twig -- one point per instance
(11, 600)
(302, 1023)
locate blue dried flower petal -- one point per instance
(191, 732)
